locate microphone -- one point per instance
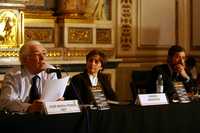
(52, 70)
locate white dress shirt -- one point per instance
(93, 79)
(16, 88)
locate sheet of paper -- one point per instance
(54, 89)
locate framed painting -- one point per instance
(11, 28)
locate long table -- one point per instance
(173, 118)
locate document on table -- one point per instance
(54, 89)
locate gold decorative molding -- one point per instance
(64, 19)
(35, 3)
(81, 53)
(55, 52)
(42, 34)
(126, 25)
(9, 54)
(103, 36)
(39, 14)
(80, 35)
(61, 54)
(15, 53)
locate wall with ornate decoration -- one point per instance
(147, 28)
(134, 34)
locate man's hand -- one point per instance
(60, 99)
(180, 69)
(36, 106)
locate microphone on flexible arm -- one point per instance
(52, 70)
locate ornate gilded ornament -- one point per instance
(103, 36)
(80, 35)
(42, 34)
(8, 28)
(126, 25)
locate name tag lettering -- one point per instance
(152, 99)
(60, 107)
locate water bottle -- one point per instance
(159, 84)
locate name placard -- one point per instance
(152, 99)
(181, 93)
(60, 107)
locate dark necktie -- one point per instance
(34, 93)
(174, 76)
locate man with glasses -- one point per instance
(22, 85)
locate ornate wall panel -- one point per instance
(42, 34)
(74, 53)
(126, 25)
(146, 28)
(87, 25)
(85, 35)
(80, 35)
(157, 23)
(103, 36)
(195, 19)
(41, 26)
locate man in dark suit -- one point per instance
(92, 80)
(174, 70)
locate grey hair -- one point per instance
(25, 49)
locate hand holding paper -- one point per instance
(54, 89)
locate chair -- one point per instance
(139, 82)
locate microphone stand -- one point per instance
(57, 71)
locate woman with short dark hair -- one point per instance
(85, 86)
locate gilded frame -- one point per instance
(103, 36)
(80, 35)
(11, 29)
(42, 34)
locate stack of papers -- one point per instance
(54, 89)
